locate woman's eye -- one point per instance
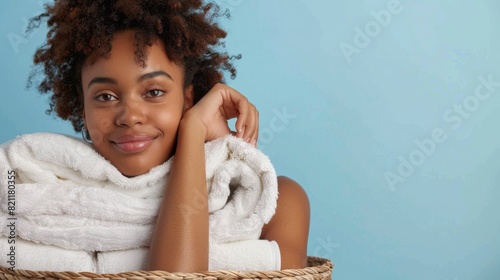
(105, 97)
(155, 93)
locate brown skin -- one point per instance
(162, 109)
(289, 226)
(119, 104)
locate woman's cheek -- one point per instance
(167, 117)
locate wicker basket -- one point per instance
(318, 268)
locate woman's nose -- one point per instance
(130, 113)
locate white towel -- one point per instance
(122, 261)
(35, 256)
(257, 253)
(69, 196)
(238, 255)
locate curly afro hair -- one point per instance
(84, 29)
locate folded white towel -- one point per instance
(238, 255)
(122, 261)
(69, 196)
(35, 256)
(246, 255)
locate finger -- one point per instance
(241, 121)
(256, 133)
(251, 127)
(245, 123)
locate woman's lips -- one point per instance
(133, 143)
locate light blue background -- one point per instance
(351, 119)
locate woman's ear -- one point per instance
(188, 97)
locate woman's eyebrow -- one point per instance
(154, 74)
(106, 80)
(102, 80)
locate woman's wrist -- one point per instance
(193, 126)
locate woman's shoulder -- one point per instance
(292, 202)
(292, 197)
(289, 226)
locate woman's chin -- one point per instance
(136, 164)
(131, 175)
(133, 171)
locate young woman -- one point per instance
(143, 80)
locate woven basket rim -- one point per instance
(316, 266)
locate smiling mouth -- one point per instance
(133, 143)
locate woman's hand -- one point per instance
(221, 104)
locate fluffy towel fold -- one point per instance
(69, 196)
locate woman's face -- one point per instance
(132, 112)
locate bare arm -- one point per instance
(180, 238)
